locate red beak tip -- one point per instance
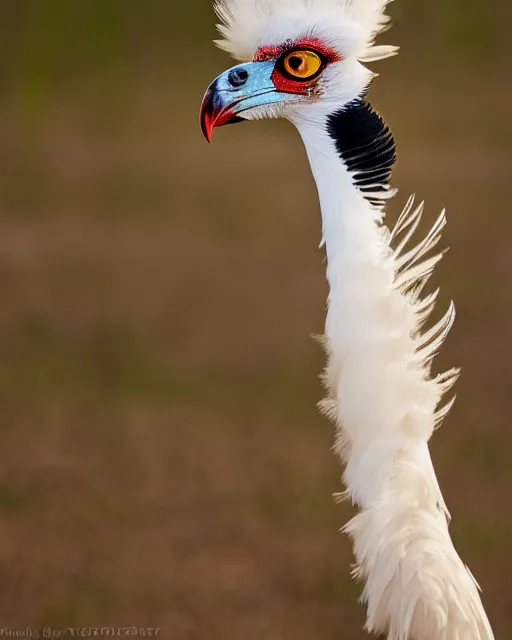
(213, 115)
(207, 125)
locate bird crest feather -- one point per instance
(243, 22)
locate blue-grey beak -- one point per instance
(237, 90)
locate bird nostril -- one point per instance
(238, 77)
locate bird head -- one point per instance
(302, 59)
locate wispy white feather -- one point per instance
(243, 23)
(415, 585)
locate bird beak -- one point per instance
(216, 112)
(236, 91)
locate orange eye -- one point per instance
(302, 64)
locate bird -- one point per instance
(306, 61)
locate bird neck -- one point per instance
(379, 389)
(363, 318)
(351, 153)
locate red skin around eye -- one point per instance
(285, 84)
(268, 53)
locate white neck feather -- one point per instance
(383, 400)
(365, 317)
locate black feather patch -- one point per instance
(365, 144)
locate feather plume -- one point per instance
(243, 23)
(415, 585)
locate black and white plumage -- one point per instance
(303, 60)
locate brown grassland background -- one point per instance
(162, 462)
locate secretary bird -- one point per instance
(303, 60)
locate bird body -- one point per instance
(307, 66)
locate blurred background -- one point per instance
(162, 460)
